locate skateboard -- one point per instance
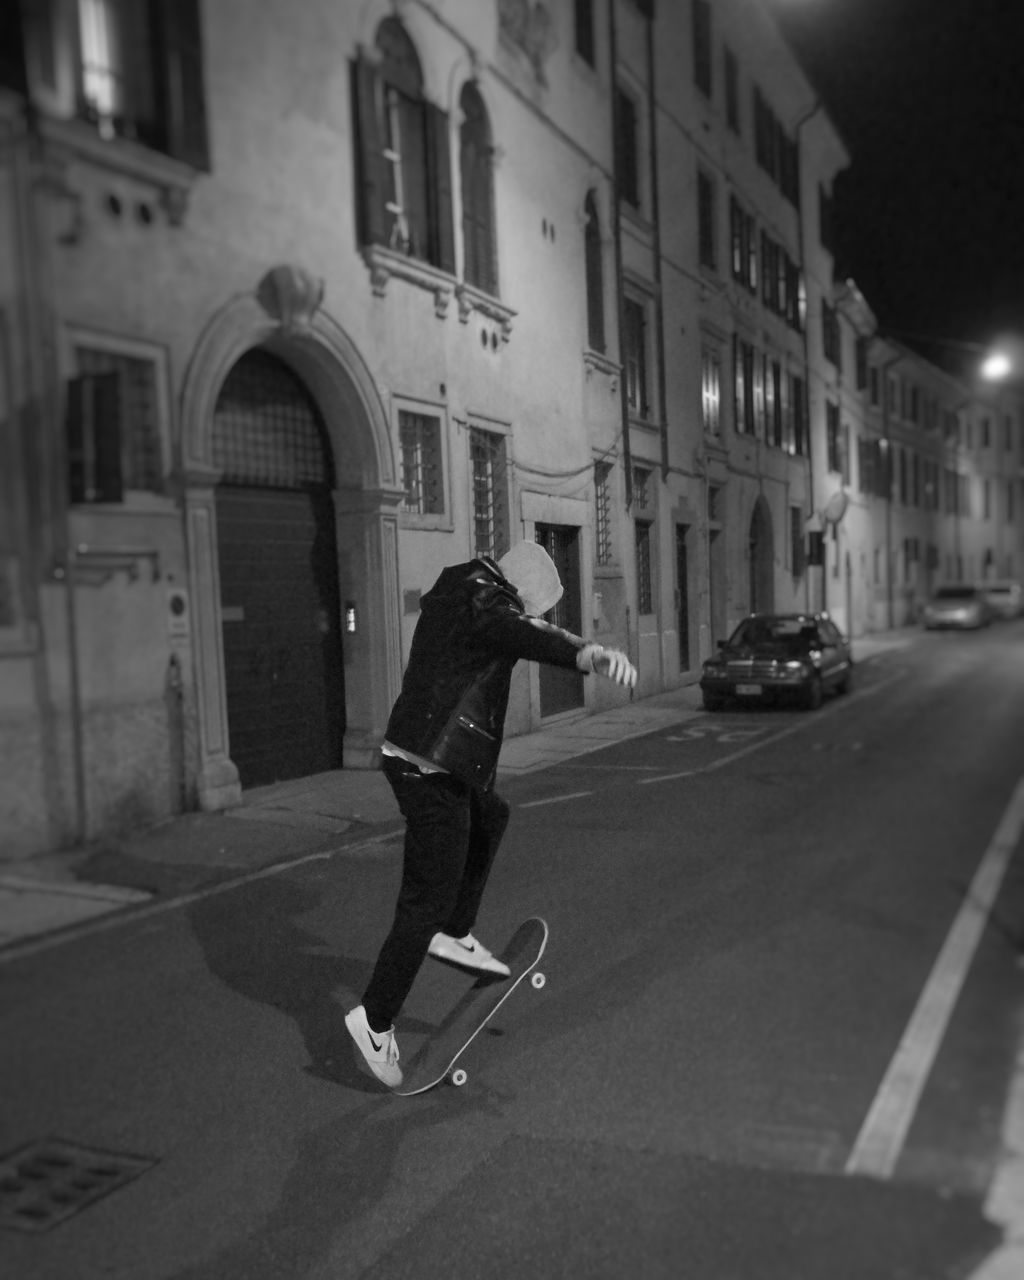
(436, 1060)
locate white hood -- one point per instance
(532, 572)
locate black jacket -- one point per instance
(471, 631)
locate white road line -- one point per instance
(884, 1131)
(572, 795)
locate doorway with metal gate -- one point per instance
(561, 689)
(278, 562)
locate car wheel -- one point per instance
(713, 701)
(813, 695)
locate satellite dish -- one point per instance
(836, 506)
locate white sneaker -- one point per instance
(378, 1048)
(467, 952)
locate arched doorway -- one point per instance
(277, 560)
(283, 317)
(761, 559)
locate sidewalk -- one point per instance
(288, 820)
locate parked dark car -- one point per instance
(795, 656)
(957, 605)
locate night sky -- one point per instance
(929, 97)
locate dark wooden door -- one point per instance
(560, 688)
(282, 632)
(682, 598)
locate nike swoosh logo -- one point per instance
(376, 1047)
(465, 948)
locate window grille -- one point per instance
(490, 492)
(422, 475)
(137, 412)
(267, 430)
(603, 515)
(644, 580)
(641, 488)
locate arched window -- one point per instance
(403, 163)
(595, 275)
(480, 266)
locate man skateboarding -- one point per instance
(440, 756)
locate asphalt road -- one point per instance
(774, 1042)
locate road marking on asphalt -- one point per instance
(884, 1131)
(572, 795)
(788, 732)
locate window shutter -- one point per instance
(180, 41)
(371, 177)
(94, 436)
(439, 178)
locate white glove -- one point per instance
(612, 663)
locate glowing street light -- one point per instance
(996, 367)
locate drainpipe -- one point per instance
(620, 297)
(656, 245)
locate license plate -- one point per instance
(742, 689)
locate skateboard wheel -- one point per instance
(538, 980)
(459, 1078)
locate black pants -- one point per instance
(452, 832)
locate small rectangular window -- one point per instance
(127, 401)
(796, 541)
(422, 471)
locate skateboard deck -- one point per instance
(436, 1059)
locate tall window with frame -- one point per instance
(702, 46)
(586, 45)
(644, 571)
(627, 148)
(476, 152)
(603, 512)
(402, 155)
(833, 444)
(489, 473)
(706, 220)
(140, 75)
(593, 254)
(634, 342)
(422, 471)
(711, 390)
(731, 76)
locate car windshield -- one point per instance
(793, 633)
(955, 593)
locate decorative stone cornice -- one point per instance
(385, 263)
(471, 299)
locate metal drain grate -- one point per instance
(45, 1183)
